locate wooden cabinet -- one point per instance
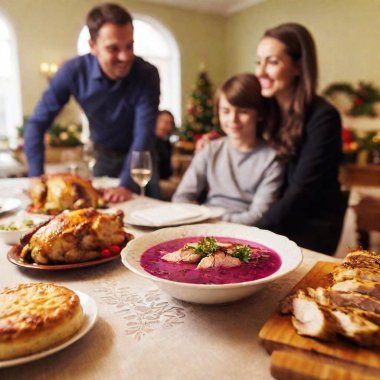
(359, 175)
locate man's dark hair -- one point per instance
(106, 13)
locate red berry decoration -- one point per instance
(115, 249)
(106, 252)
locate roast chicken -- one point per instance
(54, 193)
(75, 236)
(349, 307)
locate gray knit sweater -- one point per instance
(245, 184)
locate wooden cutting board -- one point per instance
(298, 357)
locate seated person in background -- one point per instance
(241, 171)
(164, 128)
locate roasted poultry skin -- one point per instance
(54, 193)
(75, 236)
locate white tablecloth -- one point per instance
(141, 333)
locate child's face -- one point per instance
(237, 123)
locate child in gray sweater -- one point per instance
(240, 171)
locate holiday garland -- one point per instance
(363, 98)
(58, 135)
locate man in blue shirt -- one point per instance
(119, 94)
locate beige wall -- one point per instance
(347, 34)
(47, 30)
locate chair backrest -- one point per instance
(368, 214)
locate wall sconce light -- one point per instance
(48, 69)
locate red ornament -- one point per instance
(347, 136)
(358, 101)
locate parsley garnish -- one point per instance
(205, 246)
(242, 252)
(208, 245)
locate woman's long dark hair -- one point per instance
(286, 135)
(244, 90)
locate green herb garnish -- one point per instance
(205, 246)
(242, 252)
(28, 222)
(15, 226)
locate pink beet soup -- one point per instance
(264, 262)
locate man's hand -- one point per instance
(116, 194)
(35, 186)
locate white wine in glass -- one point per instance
(141, 169)
(89, 157)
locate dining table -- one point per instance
(140, 331)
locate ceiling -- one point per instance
(224, 7)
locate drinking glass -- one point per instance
(89, 157)
(71, 159)
(141, 169)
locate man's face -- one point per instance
(113, 48)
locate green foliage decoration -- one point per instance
(199, 118)
(57, 135)
(363, 98)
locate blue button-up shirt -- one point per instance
(122, 114)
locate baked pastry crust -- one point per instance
(37, 316)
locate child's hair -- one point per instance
(244, 90)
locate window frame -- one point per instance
(13, 89)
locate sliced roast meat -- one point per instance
(182, 255)
(311, 319)
(219, 259)
(357, 328)
(369, 288)
(363, 259)
(347, 271)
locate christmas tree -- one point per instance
(199, 118)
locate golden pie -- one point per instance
(34, 317)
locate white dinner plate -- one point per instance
(9, 204)
(203, 213)
(90, 314)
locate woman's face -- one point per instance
(237, 123)
(275, 69)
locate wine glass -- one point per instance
(89, 157)
(71, 160)
(141, 168)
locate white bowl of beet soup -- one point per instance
(211, 263)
